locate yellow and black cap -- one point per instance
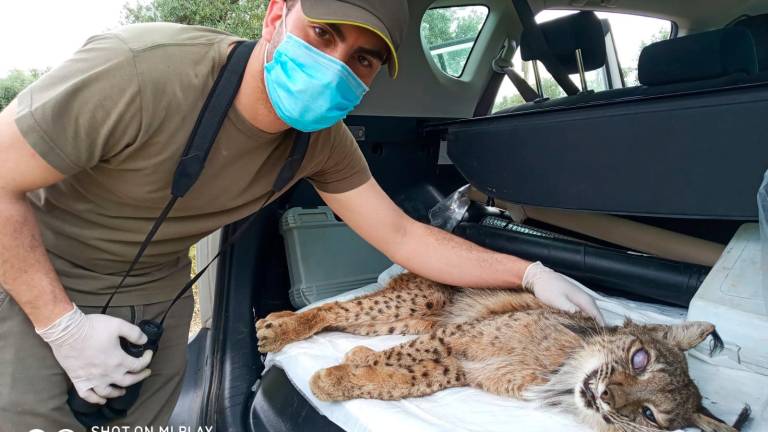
(386, 18)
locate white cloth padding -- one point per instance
(726, 385)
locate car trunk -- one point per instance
(686, 164)
(253, 277)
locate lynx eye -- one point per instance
(640, 360)
(648, 414)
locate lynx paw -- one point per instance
(277, 330)
(360, 356)
(328, 384)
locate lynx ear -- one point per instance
(708, 424)
(687, 335)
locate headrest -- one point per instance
(564, 35)
(758, 27)
(697, 57)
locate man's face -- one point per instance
(359, 48)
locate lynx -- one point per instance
(613, 379)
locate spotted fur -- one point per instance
(508, 343)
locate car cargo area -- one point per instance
(402, 154)
(727, 383)
(644, 288)
(645, 194)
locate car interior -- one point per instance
(638, 191)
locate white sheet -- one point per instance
(724, 383)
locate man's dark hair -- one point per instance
(290, 3)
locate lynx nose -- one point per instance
(605, 396)
(614, 396)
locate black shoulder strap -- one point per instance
(293, 163)
(210, 119)
(287, 173)
(525, 14)
(201, 140)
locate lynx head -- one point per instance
(635, 378)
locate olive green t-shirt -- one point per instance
(114, 119)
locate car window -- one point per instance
(631, 33)
(449, 33)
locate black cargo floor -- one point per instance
(279, 407)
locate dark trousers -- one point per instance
(33, 386)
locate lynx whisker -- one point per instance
(639, 428)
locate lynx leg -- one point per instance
(360, 356)
(406, 296)
(281, 328)
(426, 347)
(503, 379)
(401, 327)
(344, 382)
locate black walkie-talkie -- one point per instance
(90, 414)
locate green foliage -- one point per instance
(16, 81)
(661, 34)
(507, 102)
(443, 26)
(239, 17)
(551, 89)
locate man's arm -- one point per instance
(26, 272)
(444, 257)
(86, 347)
(423, 249)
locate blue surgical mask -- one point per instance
(309, 89)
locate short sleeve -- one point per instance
(345, 167)
(85, 110)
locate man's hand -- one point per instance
(88, 349)
(555, 290)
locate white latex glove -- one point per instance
(88, 349)
(555, 290)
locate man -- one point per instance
(88, 155)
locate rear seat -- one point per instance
(707, 60)
(711, 59)
(757, 26)
(564, 35)
(690, 143)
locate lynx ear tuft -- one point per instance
(717, 344)
(743, 417)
